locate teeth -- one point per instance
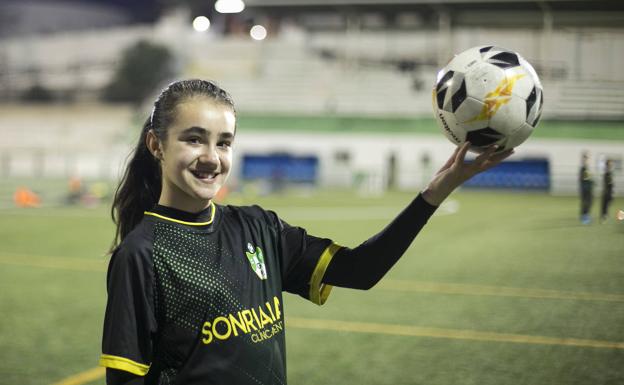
(204, 175)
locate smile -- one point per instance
(205, 176)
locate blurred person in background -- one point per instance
(75, 190)
(195, 288)
(607, 190)
(586, 186)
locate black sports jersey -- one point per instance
(196, 298)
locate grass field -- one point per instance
(499, 288)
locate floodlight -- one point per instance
(201, 24)
(258, 32)
(229, 6)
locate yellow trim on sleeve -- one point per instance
(124, 364)
(318, 290)
(212, 215)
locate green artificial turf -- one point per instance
(498, 263)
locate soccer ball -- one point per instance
(488, 95)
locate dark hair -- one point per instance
(139, 188)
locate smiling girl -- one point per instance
(195, 288)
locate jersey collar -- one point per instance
(202, 218)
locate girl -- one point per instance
(195, 288)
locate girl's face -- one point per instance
(197, 155)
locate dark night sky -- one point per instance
(149, 10)
(139, 10)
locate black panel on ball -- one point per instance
(440, 97)
(441, 88)
(458, 97)
(483, 137)
(442, 83)
(531, 101)
(447, 76)
(504, 60)
(541, 104)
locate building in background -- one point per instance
(338, 58)
(350, 56)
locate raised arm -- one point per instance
(363, 266)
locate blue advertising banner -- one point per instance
(528, 174)
(280, 167)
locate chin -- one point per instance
(205, 195)
(204, 192)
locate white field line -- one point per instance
(459, 334)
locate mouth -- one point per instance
(205, 176)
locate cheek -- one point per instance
(178, 158)
(226, 159)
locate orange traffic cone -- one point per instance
(24, 197)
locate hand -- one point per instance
(455, 172)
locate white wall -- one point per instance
(370, 155)
(92, 141)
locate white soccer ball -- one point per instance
(488, 95)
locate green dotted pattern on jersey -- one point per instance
(192, 286)
(189, 279)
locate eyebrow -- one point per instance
(203, 131)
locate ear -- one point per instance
(153, 144)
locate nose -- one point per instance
(209, 155)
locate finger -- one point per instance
(486, 154)
(502, 156)
(460, 152)
(496, 159)
(450, 160)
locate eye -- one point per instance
(225, 143)
(193, 140)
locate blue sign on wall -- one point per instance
(282, 167)
(528, 174)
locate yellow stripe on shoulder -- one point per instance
(125, 364)
(319, 292)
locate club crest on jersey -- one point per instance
(256, 259)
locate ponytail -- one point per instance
(138, 190)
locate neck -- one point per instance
(202, 218)
(172, 196)
(190, 207)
